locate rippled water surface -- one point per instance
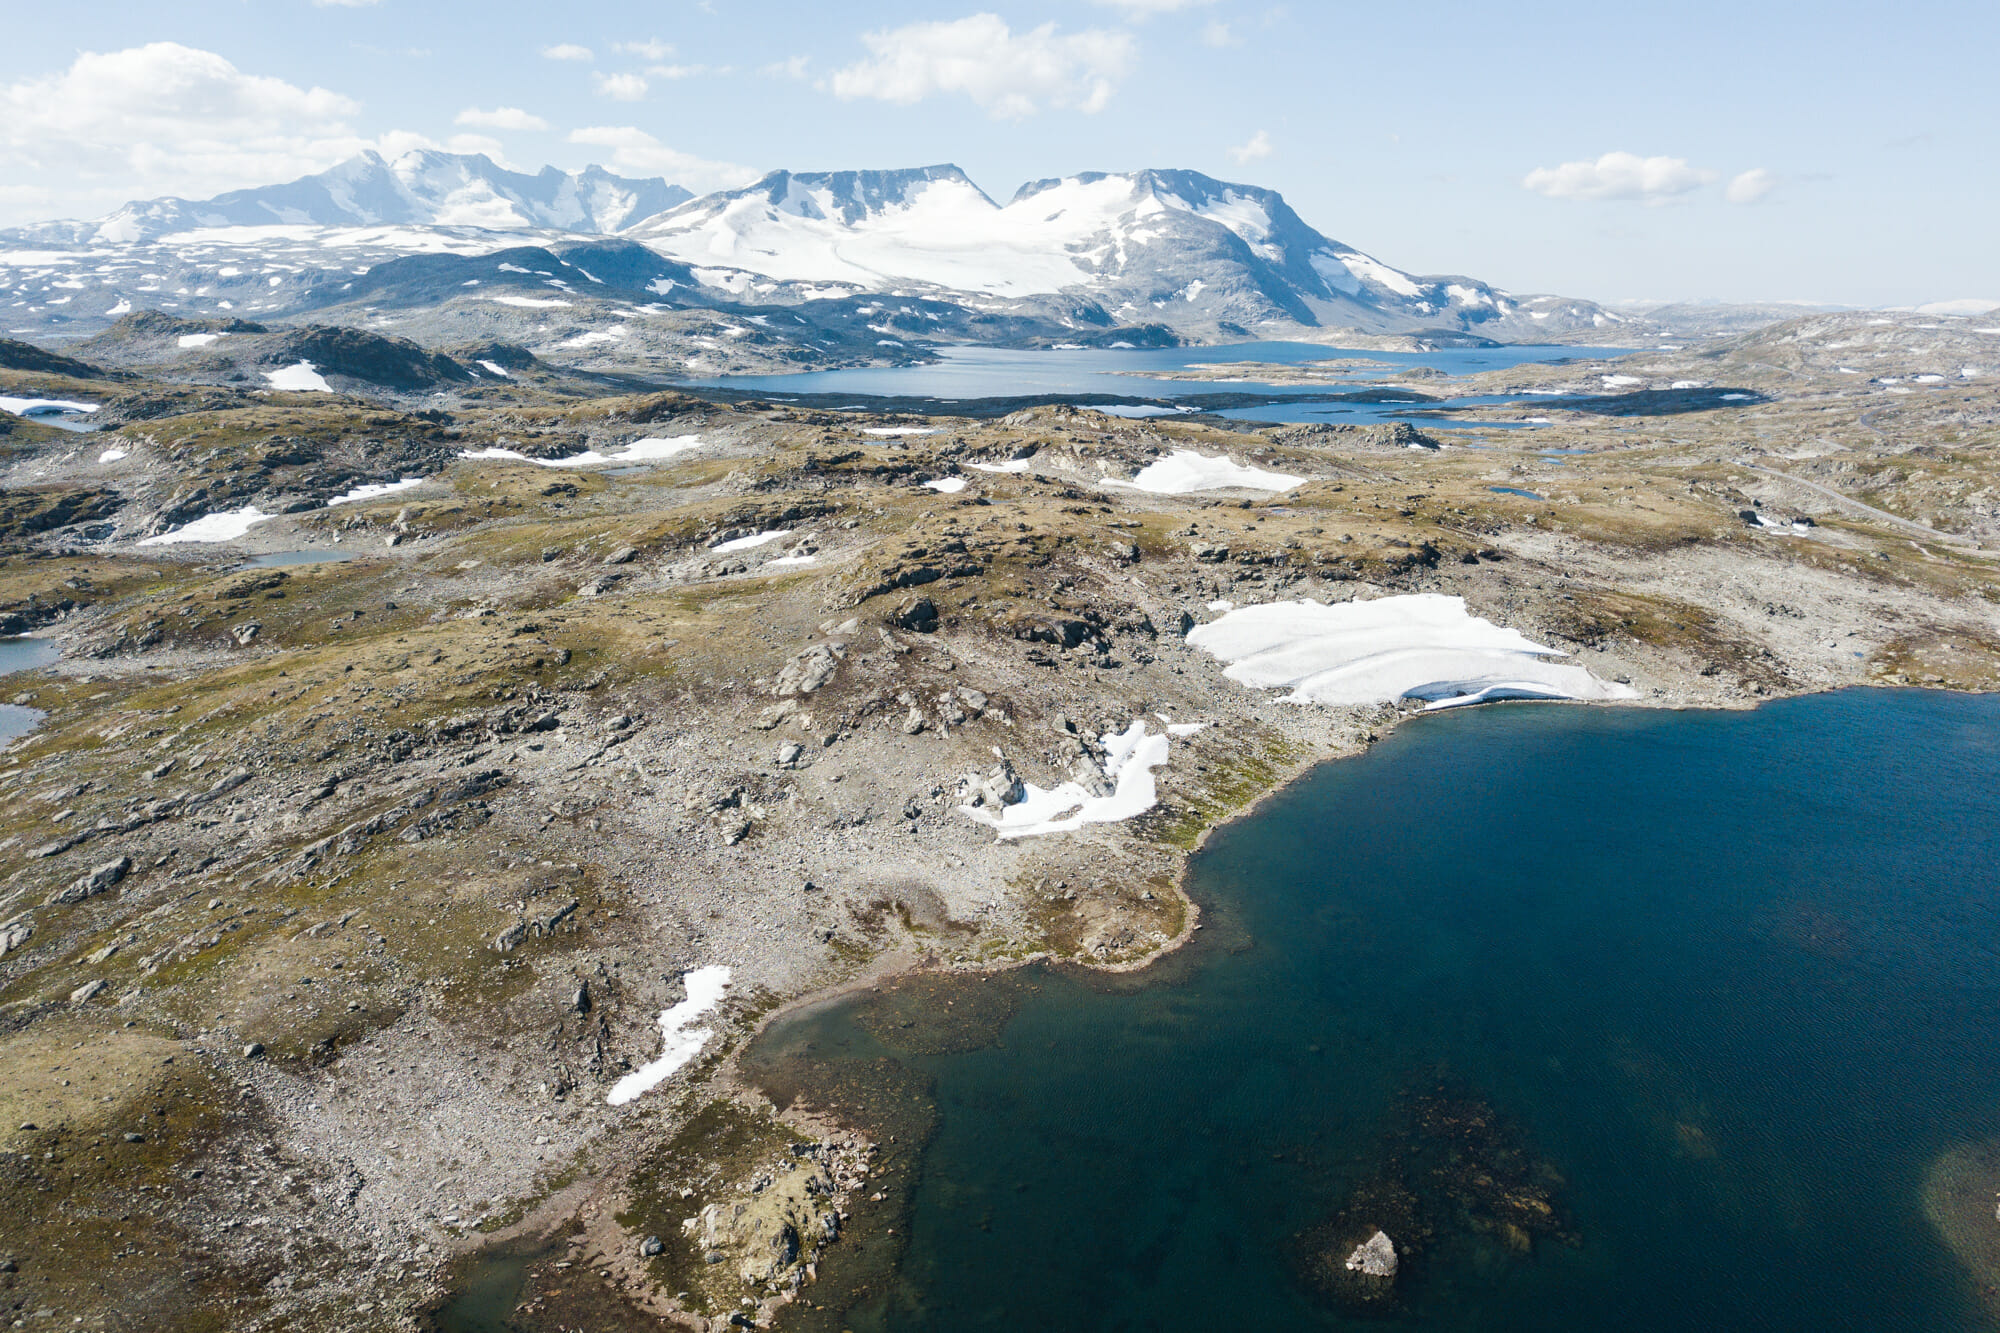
(1623, 1019)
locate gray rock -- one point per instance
(1374, 1257)
(914, 723)
(93, 883)
(89, 991)
(253, 1050)
(624, 555)
(789, 753)
(1090, 777)
(651, 1246)
(15, 932)
(579, 1001)
(813, 669)
(919, 614)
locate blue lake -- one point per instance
(1623, 1019)
(968, 373)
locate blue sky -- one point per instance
(1842, 153)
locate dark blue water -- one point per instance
(1715, 988)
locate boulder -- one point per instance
(90, 885)
(1374, 1257)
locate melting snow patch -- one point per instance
(1184, 471)
(223, 527)
(792, 560)
(901, 430)
(1420, 646)
(493, 369)
(530, 302)
(948, 485)
(188, 341)
(753, 540)
(369, 490)
(22, 407)
(1620, 381)
(1737, 397)
(111, 455)
(1129, 760)
(1138, 411)
(1011, 465)
(679, 1043)
(639, 451)
(301, 378)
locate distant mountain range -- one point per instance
(1145, 255)
(1168, 247)
(417, 189)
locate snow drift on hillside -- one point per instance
(1184, 471)
(1421, 646)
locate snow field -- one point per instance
(1419, 646)
(1185, 471)
(639, 451)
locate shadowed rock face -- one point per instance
(26, 356)
(394, 363)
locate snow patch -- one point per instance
(111, 455)
(1011, 465)
(947, 485)
(222, 527)
(1185, 471)
(755, 539)
(901, 430)
(530, 302)
(300, 378)
(369, 490)
(22, 407)
(1419, 646)
(679, 1042)
(1129, 761)
(189, 341)
(492, 369)
(639, 451)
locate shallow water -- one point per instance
(1724, 983)
(277, 559)
(22, 653)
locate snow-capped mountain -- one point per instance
(417, 189)
(1171, 247)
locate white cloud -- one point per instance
(1748, 187)
(682, 71)
(345, 4)
(620, 87)
(165, 119)
(567, 51)
(1216, 33)
(1619, 176)
(1256, 150)
(637, 153)
(795, 68)
(650, 49)
(1145, 9)
(1010, 75)
(500, 118)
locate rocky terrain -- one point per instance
(335, 897)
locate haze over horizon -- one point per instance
(1732, 155)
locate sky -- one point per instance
(1831, 153)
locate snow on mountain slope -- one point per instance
(417, 189)
(1149, 246)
